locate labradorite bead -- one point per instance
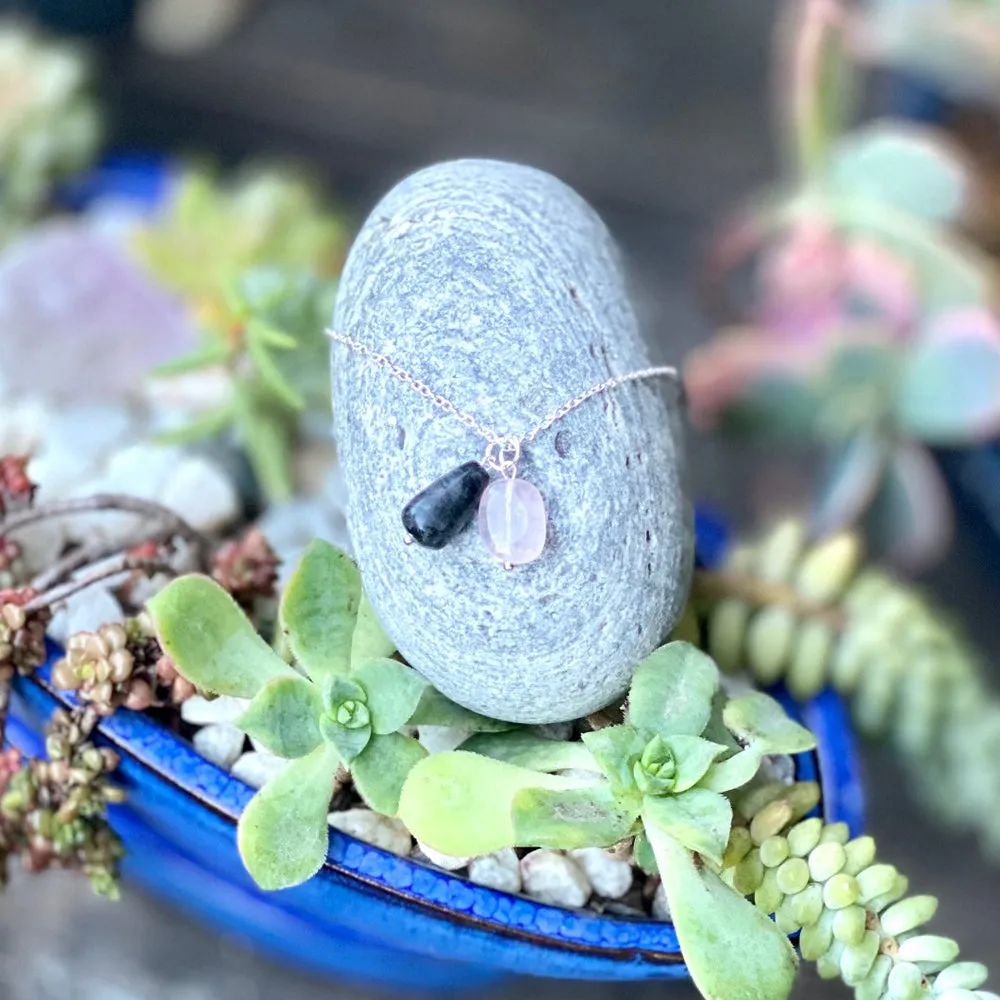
(445, 508)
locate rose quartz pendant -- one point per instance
(512, 521)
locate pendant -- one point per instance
(445, 508)
(512, 521)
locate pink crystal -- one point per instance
(512, 521)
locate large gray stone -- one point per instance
(502, 289)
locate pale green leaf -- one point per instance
(266, 434)
(642, 853)
(380, 771)
(437, 710)
(211, 641)
(694, 756)
(566, 819)
(369, 641)
(672, 691)
(270, 335)
(394, 691)
(460, 803)
(949, 388)
(207, 425)
(282, 833)
(616, 749)
(731, 948)
(906, 167)
(271, 377)
(348, 741)
(319, 608)
(534, 752)
(284, 716)
(214, 352)
(758, 720)
(698, 819)
(732, 773)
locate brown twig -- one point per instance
(172, 523)
(90, 555)
(716, 584)
(124, 565)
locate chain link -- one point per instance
(499, 444)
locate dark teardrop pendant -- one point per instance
(445, 508)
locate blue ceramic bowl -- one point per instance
(369, 915)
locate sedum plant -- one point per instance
(664, 774)
(266, 345)
(870, 329)
(339, 704)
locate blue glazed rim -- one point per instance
(571, 943)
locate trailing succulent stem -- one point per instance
(806, 613)
(852, 913)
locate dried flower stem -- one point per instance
(171, 523)
(125, 564)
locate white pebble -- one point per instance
(661, 908)
(380, 831)
(445, 861)
(257, 768)
(554, 731)
(89, 609)
(221, 744)
(199, 711)
(500, 871)
(202, 494)
(610, 877)
(554, 878)
(441, 739)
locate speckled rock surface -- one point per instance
(503, 290)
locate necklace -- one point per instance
(512, 519)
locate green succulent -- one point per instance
(663, 774)
(268, 339)
(344, 710)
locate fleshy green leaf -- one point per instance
(437, 710)
(731, 948)
(283, 830)
(732, 773)
(271, 377)
(642, 853)
(566, 819)
(694, 756)
(850, 481)
(910, 519)
(211, 641)
(759, 720)
(265, 432)
(394, 691)
(284, 716)
(369, 641)
(214, 352)
(949, 388)
(528, 750)
(381, 770)
(319, 608)
(616, 749)
(672, 691)
(460, 803)
(774, 405)
(267, 333)
(207, 425)
(348, 740)
(698, 819)
(905, 167)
